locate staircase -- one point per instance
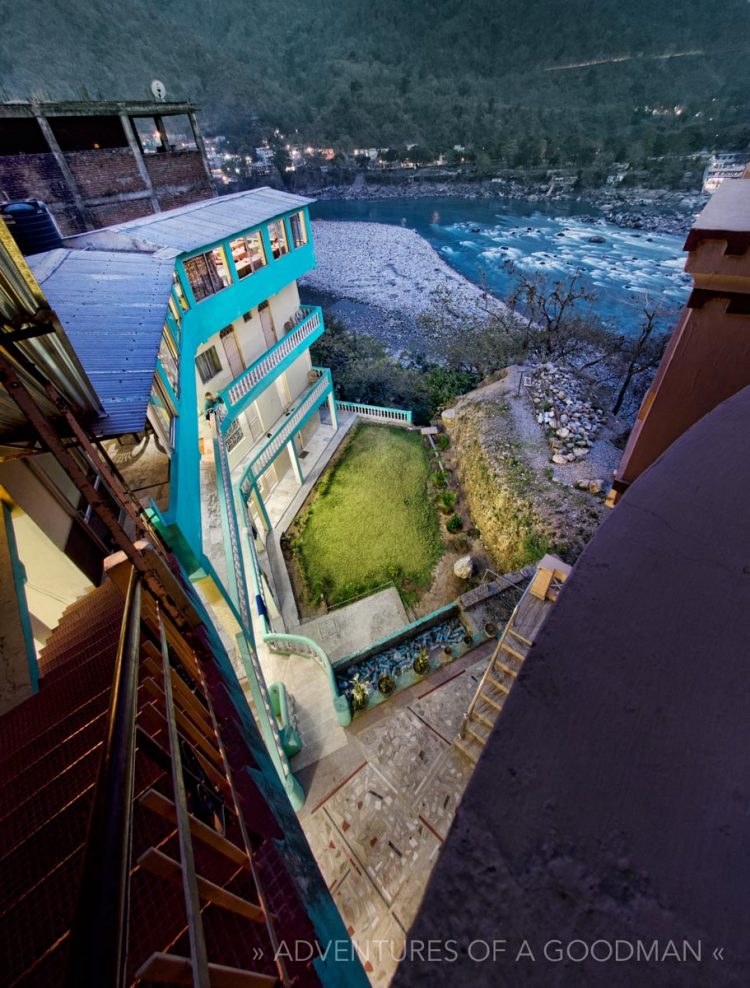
(200, 892)
(509, 656)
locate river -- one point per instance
(625, 269)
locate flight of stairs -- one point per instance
(50, 751)
(505, 664)
(50, 747)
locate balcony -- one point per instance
(260, 374)
(266, 451)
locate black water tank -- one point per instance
(32, 226)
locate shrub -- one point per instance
(442, 441)
(386, 684)
(454, 523)
(447, 501)
(439, 479)
(421, 663)
(360, 690)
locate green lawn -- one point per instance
(372, 519)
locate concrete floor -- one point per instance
(379, 807)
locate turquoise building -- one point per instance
(234, 350)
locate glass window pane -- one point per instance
(169, 361)
(249, 254)
(208, 364)
(198, 272)
(277, 236)
(299, 229)
(179, 294)
(219, 260)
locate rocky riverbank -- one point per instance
(655, 210)
(380, 279)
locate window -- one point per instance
(162, 411)
(208, 364)
(178, 292)
(233, 436)
(149, 135)
(208, 273)
(299, 229)
(179, 131)
(277, 236)
(248, 253)
(169, 360)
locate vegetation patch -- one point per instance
(372, 520)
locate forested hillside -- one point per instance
(495, 75)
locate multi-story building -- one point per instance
(234, 329)
(95, 163)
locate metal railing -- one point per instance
(376, 413)
(253, 671)
(304, 405)
(309, 325)
(98, 940)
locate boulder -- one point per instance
(463, 568)
(595, 487)
(559, 459)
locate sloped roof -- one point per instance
(112, 306)
(200, 223)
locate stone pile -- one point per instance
(570, 421)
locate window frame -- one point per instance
(243, 243)
(284, 239)
(209, 353)
(211, 259)
(304, 239)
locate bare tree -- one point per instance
(640, 354)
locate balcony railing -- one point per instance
(303, 335)
(377, 413)
(303, 407)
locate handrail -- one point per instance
(196, 935)
(253, 670)
(306, 403)
(401, 416)
(257, 371)
(287, 644)
(506, 630)
(98, 940)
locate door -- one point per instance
(232, 351)
(254, 424)
(266, 321)
(285, 395)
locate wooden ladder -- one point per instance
(494, 687)
(192, 721)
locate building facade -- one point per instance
(97, 163)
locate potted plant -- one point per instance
(386, 684)
(360, 692)
(421, 664)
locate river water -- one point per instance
(626, 269)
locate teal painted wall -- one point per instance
(201, 321)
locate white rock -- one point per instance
(559, 459)
(463, 568)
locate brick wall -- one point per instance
(38, 176)
(179, 177)
(103, 173)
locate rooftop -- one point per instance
(112, 306)
(93, 108)
(198, 224)
(727, 212)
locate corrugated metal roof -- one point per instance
(200, 223)
(112, 306)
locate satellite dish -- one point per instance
(158, 89)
